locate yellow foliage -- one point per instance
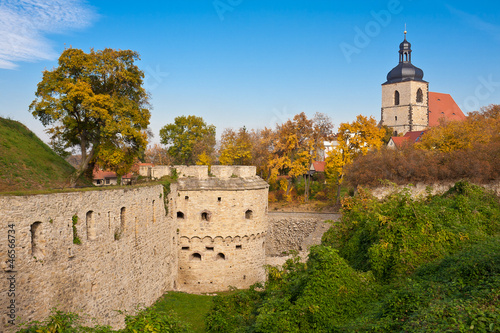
(95, 101)
(479, 127)
(236, 148)
(204, 159)
(356, 138)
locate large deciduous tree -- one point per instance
(295, 144)
(292, 148)
(354, 139)
(188, 138)
(95, 101)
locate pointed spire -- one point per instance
(405, 50)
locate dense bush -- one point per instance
(317, 297)
(468, 149)
(412, 165)
(394, 236)
(460, 293)
(435, 263)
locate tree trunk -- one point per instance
(307, 186)
(84, 164)
(338, 193)
(289, 186)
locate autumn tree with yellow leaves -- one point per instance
(95, 101)
(452, 151)
(480, 127)
(236, 147)
(354, 139)
(295, 145)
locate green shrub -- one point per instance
(154, 320)
(394, 236)
(233, 313)
(313, 297)
(146, 320)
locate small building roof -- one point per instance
(409, 137)
(442, 106)
(414, 136)
(398, 141)
(318, 166)
(101, 174)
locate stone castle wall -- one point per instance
(296, 231)
(212, 232)
(421, 189)
(207, 235)
(127, 255)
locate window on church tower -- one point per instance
(420, 96)
(396, 97)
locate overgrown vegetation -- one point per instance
(395, 265)
(412, 165)
(166, 181)
(76, 239)
(26, 163)
(452, 151)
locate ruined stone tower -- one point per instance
(405, 95)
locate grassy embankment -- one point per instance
(26, 163)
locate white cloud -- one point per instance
(24, 24)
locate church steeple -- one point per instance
(405, 70)
(405, 95)
(405, 51)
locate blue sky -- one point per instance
(255, 63)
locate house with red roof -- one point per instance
(398, 142)
(317, 166)
(107, 178)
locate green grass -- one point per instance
(26, 162)
(189, 307)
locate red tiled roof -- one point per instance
(319, 166)
(399, 141)
(443, 106)
(409, 137)
(414, 136)
(100, 174)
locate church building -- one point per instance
(407, 104)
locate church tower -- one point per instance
(405, 99)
